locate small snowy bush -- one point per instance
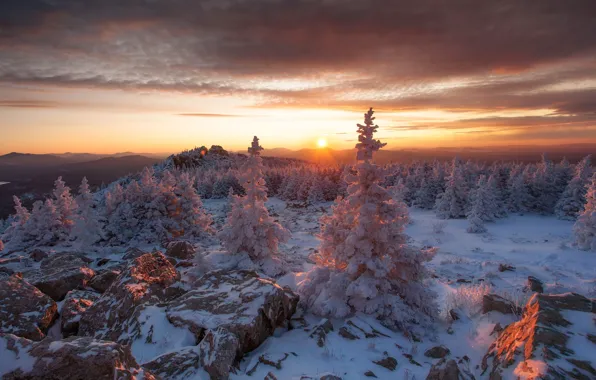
(466, 298)
(439, 227)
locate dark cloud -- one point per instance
(396, 55)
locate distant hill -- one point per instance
(34, 175)
(574, 153)
(27, 159)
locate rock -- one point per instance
(24, 310)
(506, 268)
(270, 376)
(493, 302)
(369, 374)
(242, 302)
(535, 284)
(454, 315)
(330, 377)
(537, 342)
(102, 262)
(181, 250)
(133, 253)
(497, 329)
(320, 331)
(75, 304)
(37, 255)
(61, 273)
(72, 358)
(145, 282)
(102, 281)
(356, 328)
(389, 362)
(215, 355)
(437, 352)
(591, 338)
(65, 259)
(6, 272)
(271, 360)
(445, 370)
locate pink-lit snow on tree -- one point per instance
(365, 264)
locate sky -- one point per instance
(108, 76)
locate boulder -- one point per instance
(356, 328)
(102, 281)
(61, 273)
(535, 285)
(241, 302)
(75, 304)
(181, 250)
(388, 362)
(215, 355)
(145, 281)
(535, 346)
(72, 358)
(437, 352)
(133, 253)
(24, 310)
(493, 302)
(447, 370)
(37, 255)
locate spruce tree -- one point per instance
(249, 228)
(573, 198)
(585, 226)
(365, 264)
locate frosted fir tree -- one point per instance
(15, 234)
(87, 227)
(573, 199)
(585, 226)
(45, 226)
(65, 205)
(518, 191)
(484, 205)
(249, 228)
(189, 213)
(316, 193)
(452, 203)
(365, 264)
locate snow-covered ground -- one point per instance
(466, 267)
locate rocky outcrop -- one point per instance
(535, 285)
(72, 358)
(241, 302)
(215, 355)
(437, 352)
(102, 281)
(181, 250)
(75, 304)
(145, 281)
(61, 273)
(320, 331)
(493, 302)
(24, 310)
(356, 328)
(538, 346)
(447, 370)
(37, 255)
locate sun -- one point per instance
(322, 142)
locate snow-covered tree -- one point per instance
(573, 199)
(518, 191)
(65, 205)
(484, 205)
(87, 227)
(249, 228)
(543, 189)
(189, 213)
(452, 203)
(15, 234)
(365, 264)
(585, 226)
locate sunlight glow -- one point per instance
(322, 142)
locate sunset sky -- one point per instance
(160, 76)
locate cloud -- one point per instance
(27, 104)
(459, 56)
